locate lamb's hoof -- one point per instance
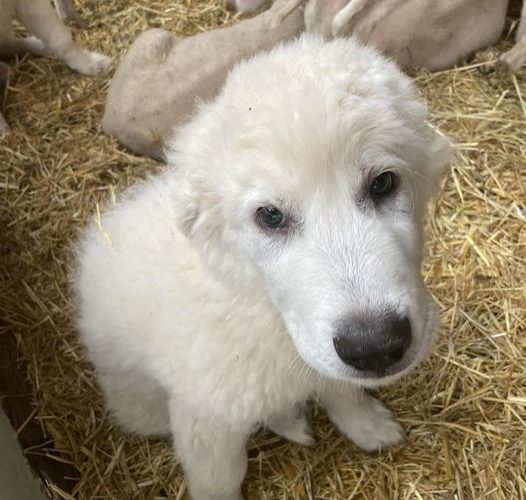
(507, 65)
(246, 6)
(4, 73)
(35, 46)
(4, 129)
(88, 63)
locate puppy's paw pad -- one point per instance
(377, 429)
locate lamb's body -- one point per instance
(205, 322)
(417, 33)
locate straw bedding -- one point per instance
(464, 409)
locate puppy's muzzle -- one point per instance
(373, 344)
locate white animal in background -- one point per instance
(245, 6)
(4, 76)
(514, 58)
(52, 38)
(417, 33)
(276, 259)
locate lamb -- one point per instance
(52, 38)
(245, 6)
(514, 58)
(161, 78)
(4, 76)
(417, 33)
(157, 84)
(275, 260)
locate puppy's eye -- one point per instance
(270, 217)
(382, 185)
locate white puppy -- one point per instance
(276, 259)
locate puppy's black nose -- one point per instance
(370, 342)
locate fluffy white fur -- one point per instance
(203, 325)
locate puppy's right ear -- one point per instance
(197, 209)
(186, 206)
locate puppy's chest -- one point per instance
(274, 379)
(250, 382)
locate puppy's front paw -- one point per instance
(374, 427)
(292, 427)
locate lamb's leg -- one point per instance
(4, 76)
(212, 454)
(362, 418)
(11, 45)
(19, 46)
(320, 15)
(521, 30)
(342, 21)
(4, 73)
(514, 58)
(67, 12)
(286, 11)
(344, 16)
(4, 127)
(42, 20)
(245, 6)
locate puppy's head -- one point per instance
(307, 179)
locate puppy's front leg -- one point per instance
(362, 418)
(292, 426)
(212, 453)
